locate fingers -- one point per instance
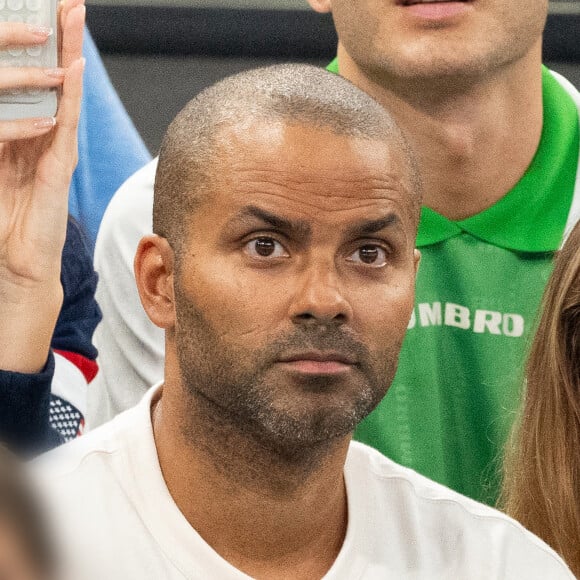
(65, 136)
(65, 6)
(25, 128)
(72, 18)
(21, 34)
(72, 23)
(30, 77)
(64, 144)
(56, 167)
(70, 103)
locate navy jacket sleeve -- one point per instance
(80, 313)
(25, 399)
(24, 411)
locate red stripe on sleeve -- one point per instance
(88, 367)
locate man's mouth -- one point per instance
(436, 10)
(413, 2)
(320, 356)
(319, 362)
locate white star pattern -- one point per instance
(65, 418)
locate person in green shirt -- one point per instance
(498, 142)
(497, 139)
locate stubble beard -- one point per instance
(233, 392)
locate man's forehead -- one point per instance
(313, 160)
(315, 197)
(296, 166)
(299, 147)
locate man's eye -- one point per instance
(265, 248)
(369, 255)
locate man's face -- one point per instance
(415, 39)
(296, 281)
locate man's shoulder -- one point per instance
(90, 454)
(414, 488)
(87, 488)
(574, 214)
(567, 86)
(443, 523)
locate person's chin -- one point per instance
(325, 406)
(340, 381)
(430, 55)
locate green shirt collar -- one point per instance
(333, 66)
(532, 216)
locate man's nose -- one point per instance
(320, 299)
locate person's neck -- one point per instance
(270, 515)
(475, 138)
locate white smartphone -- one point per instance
(27, 103)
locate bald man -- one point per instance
(282, 272)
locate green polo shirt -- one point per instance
(480, 283)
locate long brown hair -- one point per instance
(541, 485)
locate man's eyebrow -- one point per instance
(251, 213)
(368, 227)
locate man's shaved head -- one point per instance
(283, 269)
(292, 94)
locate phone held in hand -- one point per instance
(30, 102)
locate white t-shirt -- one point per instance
(119, 522)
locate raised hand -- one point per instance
(37, 159)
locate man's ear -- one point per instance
(154, 270)
(322, 6)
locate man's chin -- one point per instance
(305, 409)
(304, 442)
(319, 423)
(433, 58)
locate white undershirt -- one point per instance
(118, 521)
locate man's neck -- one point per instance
(266, 515)
(475, 138)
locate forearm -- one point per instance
(28, 319)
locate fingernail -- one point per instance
(55, 72)
(43, 31)
(46, 122)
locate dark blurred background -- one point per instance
(160, 53)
